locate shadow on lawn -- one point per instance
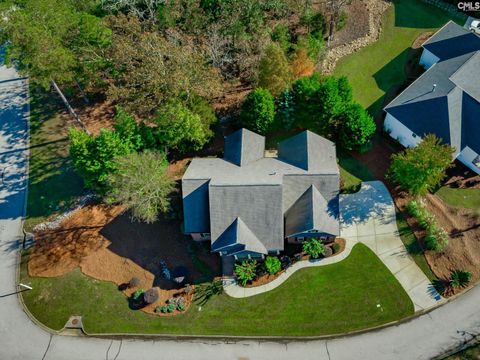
(417, 14)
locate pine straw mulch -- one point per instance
(103, 242)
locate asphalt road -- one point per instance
(422, 338)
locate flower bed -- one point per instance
(264, 277)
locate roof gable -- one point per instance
(451, 41)
(311, 212)
(243, 147)
(310, 152)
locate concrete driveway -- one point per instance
(368, 216)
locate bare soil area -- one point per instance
(357, 24)
(107, 245)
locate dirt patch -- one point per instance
(107, 245)
(357, 24)
(462, 178)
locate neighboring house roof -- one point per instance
(257, 190)
(311, 212)
(443, 100)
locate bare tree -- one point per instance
(143, 9)
(334, 8)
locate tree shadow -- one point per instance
(163, 250)
(418, 14)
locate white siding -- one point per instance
(400, 132)
(466, 157)
(428, 59)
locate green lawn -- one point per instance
(466, 198)
(375, 69)
(53, 184)
(352, 173)
(325, 300)
(413, 247)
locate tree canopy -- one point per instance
(258, 111)
(422, 168)
(275, 73)
(146, 195)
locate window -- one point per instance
(299, 238)
(414, 135)
(476, 161)
(204, 235)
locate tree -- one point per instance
(274, 74)
(149, 70)
(180, 129)
(313, 247)
(301, 64)
(422, 168)
(334, 8)
(142, 183)
(258, 111)
(281, 35)
(246, 271)
(127, 129)
(356, 127)
(93, 156)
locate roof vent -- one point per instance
(434, 87)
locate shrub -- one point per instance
(246, 271)
(181, 307)
(314, 248)
(274, 70)
(171, 308)
(273, 264)
(134, 282)
(342, 20)
(137, 294)
(281, 35)
(151, 296)
(336, 247)
(258, 111)
(431, 242)
(328, 251)
(460, 278)
(356, 127)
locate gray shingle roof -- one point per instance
(238, 237)
(243, 147)
(255, 190)
(311, 212)
(445, 109)
(310, 152)
(451, 41)
(467, 77)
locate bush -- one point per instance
(246, 271)
(151, 296)
(258, 111)
(336, 247)
(460, 278)
(313, 247)
(328, 251)
(171, 308)
(274, 70)
(181, 307)
(137, 294)
(273, 264)
(134, 282)
(281, 36)
(436, 238)
(342, 20)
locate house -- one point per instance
(445, 100)
(247, 204)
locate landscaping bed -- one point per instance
(264, 277)
(299, 307)
(106, 245)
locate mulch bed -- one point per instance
(265, 279)
(357, 24)
(106, 245)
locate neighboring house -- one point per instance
(247, 204)
(445, 100)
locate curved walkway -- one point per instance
(368, 216)
(237, 291)
(424, 337)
